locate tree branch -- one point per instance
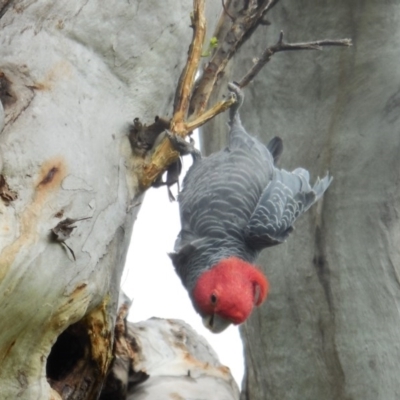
(211, 113)
(165, 154)
(233, 29)
(226, 10)
(283, 46)
(186, 79)
(237, 23)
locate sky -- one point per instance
(149, 270)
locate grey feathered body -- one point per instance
(236, 202)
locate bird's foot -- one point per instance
(234, 88)
(183, 147)
(173, 172)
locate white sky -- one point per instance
(150, 280)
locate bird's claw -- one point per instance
(237, 92)
(182, 146)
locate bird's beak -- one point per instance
(215, 323)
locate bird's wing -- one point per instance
(286, 197)
(220, 193)
(183, 253)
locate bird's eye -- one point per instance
(213, 298)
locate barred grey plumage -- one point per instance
(236, 202)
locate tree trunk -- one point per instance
(73, 74)
(330, 327)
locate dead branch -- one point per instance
(237, 23)
(233, 29)
(186, 79)
(283, 46)
(165, 155)
(226, 10)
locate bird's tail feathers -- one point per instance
(287, 196)
(321, 185)
(275, 147)
(299, 183)
(297, 180)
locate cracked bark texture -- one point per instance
(73, 75)
(330, 327)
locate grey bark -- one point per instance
(331, 325)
